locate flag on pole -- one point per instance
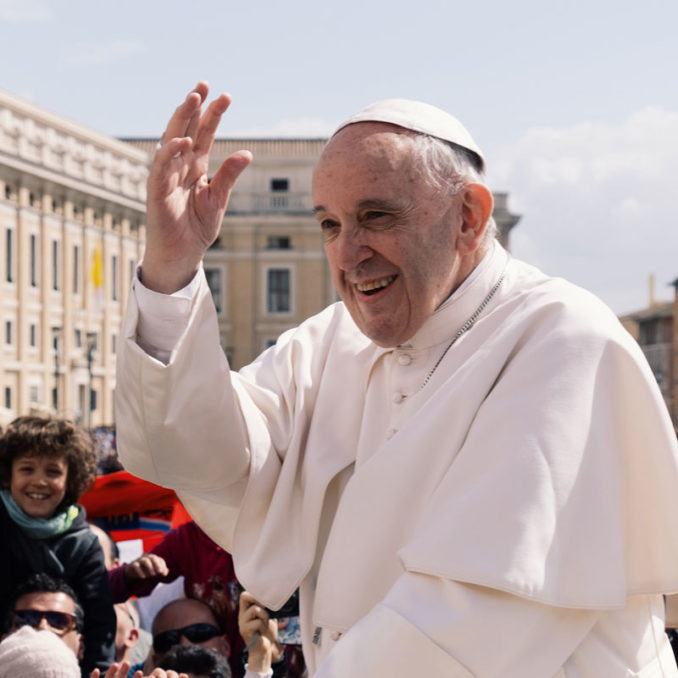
(97, 277)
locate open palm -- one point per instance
(184, 207)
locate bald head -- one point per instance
(187, 622)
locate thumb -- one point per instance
(225, 177)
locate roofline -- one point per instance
(71, 127)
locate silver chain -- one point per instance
(464, 328)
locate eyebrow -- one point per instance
(369, 203)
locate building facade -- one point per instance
(72, 214)
(71, 231)
(655, 328)
(267, 270)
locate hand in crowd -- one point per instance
(259, 632)
(184, 208)
(147, 566)
(120, 670)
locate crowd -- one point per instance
(61, 576)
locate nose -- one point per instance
(43, 624)
(185, 641)
(350, 250)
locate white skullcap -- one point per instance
(418, 117)
(28, 653)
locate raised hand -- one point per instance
(184, 209)
(259, 632)
(147, 566)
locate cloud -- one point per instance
(290, 127)
(598, 203)
(24, 11)
(83, 54)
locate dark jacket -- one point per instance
(74, 556)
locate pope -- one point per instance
(465, 465)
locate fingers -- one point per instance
(148, 566)
(225, 177)
(209, 123)
(95, 673)
(181, 119)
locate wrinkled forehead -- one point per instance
(374, 142)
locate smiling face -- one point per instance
(391, 239)
(38, 484)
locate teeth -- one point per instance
(375, 284)
(38, 496)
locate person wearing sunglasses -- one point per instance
(45, 603)
(186, 622)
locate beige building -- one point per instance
(71, 201)
(71, 234)
(655, 328)
(267, 270)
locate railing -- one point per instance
(269, 203)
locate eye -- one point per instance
(329, 228)
(374, 214)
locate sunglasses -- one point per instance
(59, 622)
(196, 633)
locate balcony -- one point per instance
(270, 203)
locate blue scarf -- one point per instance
(39, 528)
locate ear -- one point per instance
(476, 210)
(132, 638)
(81, 648)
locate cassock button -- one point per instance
(404, 359)
(335, 635)
(398, 398)
(390, 433)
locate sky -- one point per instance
(574, 104)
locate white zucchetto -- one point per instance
(418, 117)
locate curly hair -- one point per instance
(55, 438)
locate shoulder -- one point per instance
(555, 309)
(305, 348)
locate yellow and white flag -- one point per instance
(97, 278)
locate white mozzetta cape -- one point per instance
(539, 460)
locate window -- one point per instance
(92, 400)
(76, 269)
(34, 393)
(32, 335)
(8, 192)
(278, 242)
(8, 332)
(9, 255)
(34, 259)
(114, 343)
(55, 265)
(213, 276)
(77, 337)
(280, 185)
(278, 290)
(8, 397)
(132, 271)
(114, 277)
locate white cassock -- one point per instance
(514, 516)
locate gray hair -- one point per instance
(449, 168)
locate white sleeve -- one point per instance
(163, 318)
(430, 627)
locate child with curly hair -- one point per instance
(45, 465)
